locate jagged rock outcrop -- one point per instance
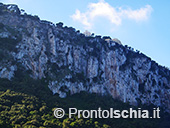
(71, 62)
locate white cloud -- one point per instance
(81, 17)
(14, 1)
(114, 15)
(141, 14)
(8, 1)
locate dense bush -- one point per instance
(29, 103)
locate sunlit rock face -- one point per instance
(70, 62)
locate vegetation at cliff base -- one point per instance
(29, 103)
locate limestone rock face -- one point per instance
(71, 62)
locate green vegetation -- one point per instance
(28, 103)
(8, 43)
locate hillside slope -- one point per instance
(70, 62)
(30, 104)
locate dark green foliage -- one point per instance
(128, 63)
(107, 37)
(55, 70)
(36, 18)
(29, 103)
(8, 43)
(1, 9)
(154, 66)
(78, 77)
(4, 54)
(60, 24)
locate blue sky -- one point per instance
(142, 24)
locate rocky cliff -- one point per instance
(71, 62)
